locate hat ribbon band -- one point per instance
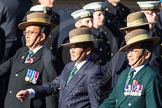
(37, 20)
(137, 22)
(149, 8)
(81, 38)
(137, 38)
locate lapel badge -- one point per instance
(22, 57)
(135, 82)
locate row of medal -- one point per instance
(133, 90)
(32, 76)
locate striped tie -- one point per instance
(30, 54)
(130, 75)
(72, 73)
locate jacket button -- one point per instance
(68, 105)
(129, 104)
(10, 91)
(16, 75)
(116, 100)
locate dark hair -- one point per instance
(45, 29)
(88, 44)
(147, 45)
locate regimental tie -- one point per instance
(130, 75)
(72, 73)
(30, 54)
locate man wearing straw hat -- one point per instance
(119, 62)
(139, 20)
(77, 83)
(83, 18)
(138, 86)
(31, 65)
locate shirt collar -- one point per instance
(81, 64)
(36, 49)
(139, 68)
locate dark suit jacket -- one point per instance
(151, 92)
(17, 69)
(80, 92)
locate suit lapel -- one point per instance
(120, 87)
(74, 81)
(35, 58)
(137, 77)
(66, 74)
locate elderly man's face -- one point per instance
(136, 57)
(33, 37)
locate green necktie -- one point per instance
(72, 73)
(30, 54)
(130, 75)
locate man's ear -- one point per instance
(43, 37)
(89, 50)
(77, 24)
(148, 55)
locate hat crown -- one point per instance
(96, 6)
(136, 18)
(80, 35)
(137, 36)
(40, 8)
(149, 5)
(136, 33)
(82, 13)
(36, 18)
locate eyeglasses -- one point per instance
(29, 32)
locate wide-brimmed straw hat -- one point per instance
(37, 18)
(136, 19)
(80, 35)
(138, 36)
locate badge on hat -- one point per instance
(82, 13)
(96, 6)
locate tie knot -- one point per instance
(30, 54)
(131, 71)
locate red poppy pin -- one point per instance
(135, 82)
(30, 60)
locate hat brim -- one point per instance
(125, 28)
(153, 39)
(68, 44)
(23, 25)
